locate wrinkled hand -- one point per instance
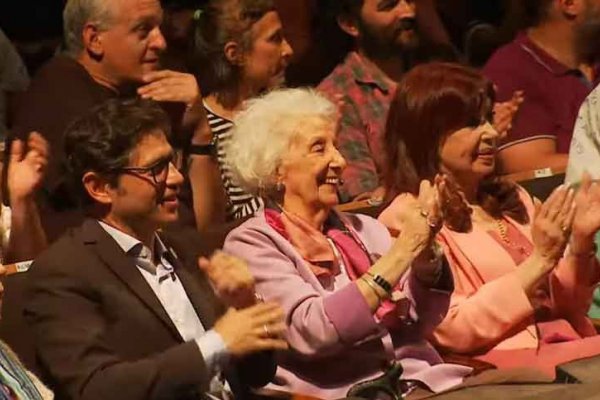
(505, 112)
(420, 218)
(587, 209)
(253, 329)
(170, 86)
(552, 224)
(230, 278)
(26, 167)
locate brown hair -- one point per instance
(219, 22)
(431, 101)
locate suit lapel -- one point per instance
(125, 269)
(197, 288)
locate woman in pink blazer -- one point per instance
(520, 298)
(356, 301)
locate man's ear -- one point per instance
(233, 53)
(98, 188)
(571, 8)
(92, 40)
(348, 24)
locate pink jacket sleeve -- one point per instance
(572, 287)
(317, 325)
(479, 320)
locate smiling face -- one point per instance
(141, 199)
(265, 62)
(312, 168)
(469, 153)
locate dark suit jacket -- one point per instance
(101, 333)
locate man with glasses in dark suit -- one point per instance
(115, 313)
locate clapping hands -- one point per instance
(586, 221)
(247, 326)
(421, 217)
(505, 112)
(552, 224)
(230, 278)
(26, 167)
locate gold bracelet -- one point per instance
(373, 287)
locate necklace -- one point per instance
(503, 231)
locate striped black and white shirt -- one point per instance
(239, 203)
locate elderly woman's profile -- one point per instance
(356, 300)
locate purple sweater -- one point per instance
(335, 341)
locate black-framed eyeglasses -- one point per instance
(159, 171)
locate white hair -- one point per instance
(77, 13)
(263, 131)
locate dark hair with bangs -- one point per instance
(432, 101)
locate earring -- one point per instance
(280, 187)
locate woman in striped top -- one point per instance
(242, 44)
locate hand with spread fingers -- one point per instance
(230, 278)
(26, 167)
(257, 328)
(587, 217)
(504, 114)
(171, 86)
(552, 224)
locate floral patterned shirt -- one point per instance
(366, 96)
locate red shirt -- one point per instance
(553, 92)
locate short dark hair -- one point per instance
(535, 11)
(103, 139)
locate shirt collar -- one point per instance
(365, 73)
(542, 58)
(131, 245)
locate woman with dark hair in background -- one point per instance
(519, 298)
(242, 52)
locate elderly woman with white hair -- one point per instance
(358, 304)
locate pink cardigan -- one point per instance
(489, 310)
(334, 339)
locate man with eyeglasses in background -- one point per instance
(115, 312)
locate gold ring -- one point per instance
(266, 329)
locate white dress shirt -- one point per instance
(163, 281)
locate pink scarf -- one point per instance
(315, 248)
